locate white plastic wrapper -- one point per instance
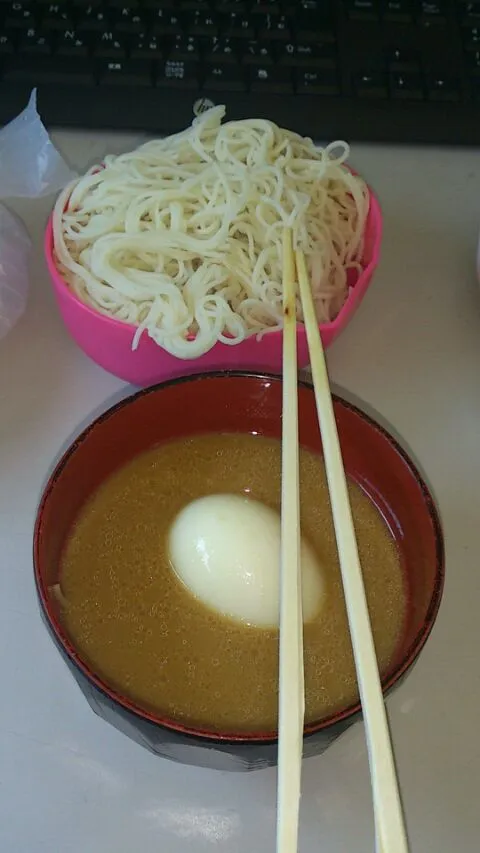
(30, 167)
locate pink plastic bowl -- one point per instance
(108, 342)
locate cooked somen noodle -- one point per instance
(182, 237)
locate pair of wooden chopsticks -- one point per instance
(389, 822)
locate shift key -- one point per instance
(42, 69)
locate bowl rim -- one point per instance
(374, 215)
(212, 736)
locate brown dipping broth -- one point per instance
(146, 635)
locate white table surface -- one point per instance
(69, 782)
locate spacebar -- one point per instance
(48, 70)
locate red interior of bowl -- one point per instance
(246, 403)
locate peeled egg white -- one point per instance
(226, 550)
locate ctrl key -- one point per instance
(317, 81)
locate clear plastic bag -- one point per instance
(30, 167)
(14, 251)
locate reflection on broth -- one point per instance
(146, 635)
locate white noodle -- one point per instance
(182, 237)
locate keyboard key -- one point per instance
(313, 21)
(107, 46)
(255, 53)
(220, 50)
(314, 9)
(146, 47)
(401, 11)
(166, 23)
(363, 10)
(93, 19)
(471, 38)
(267, 78)
(19, 16)
(265, 7)
(407, 87)
(315, 81)
(124, 73)
(201, 24)
(57, 70)
(56, 16)
(237, 26)
(275, 27)
(441, 88)
(312, 55)
(34, 42)
(184, 47)
(403, 60)
(473, 61)
(128, 20)
(470, 11)
(71, 43)
(433, 12)
(371, 84)
(181, 75)
(225, 77)
(7, 44)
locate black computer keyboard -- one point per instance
(380, 70)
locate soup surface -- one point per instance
(146, 635)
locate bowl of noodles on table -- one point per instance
(167, 260)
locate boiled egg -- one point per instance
(225, 548)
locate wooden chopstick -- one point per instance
(389, 820)
(291, 702)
